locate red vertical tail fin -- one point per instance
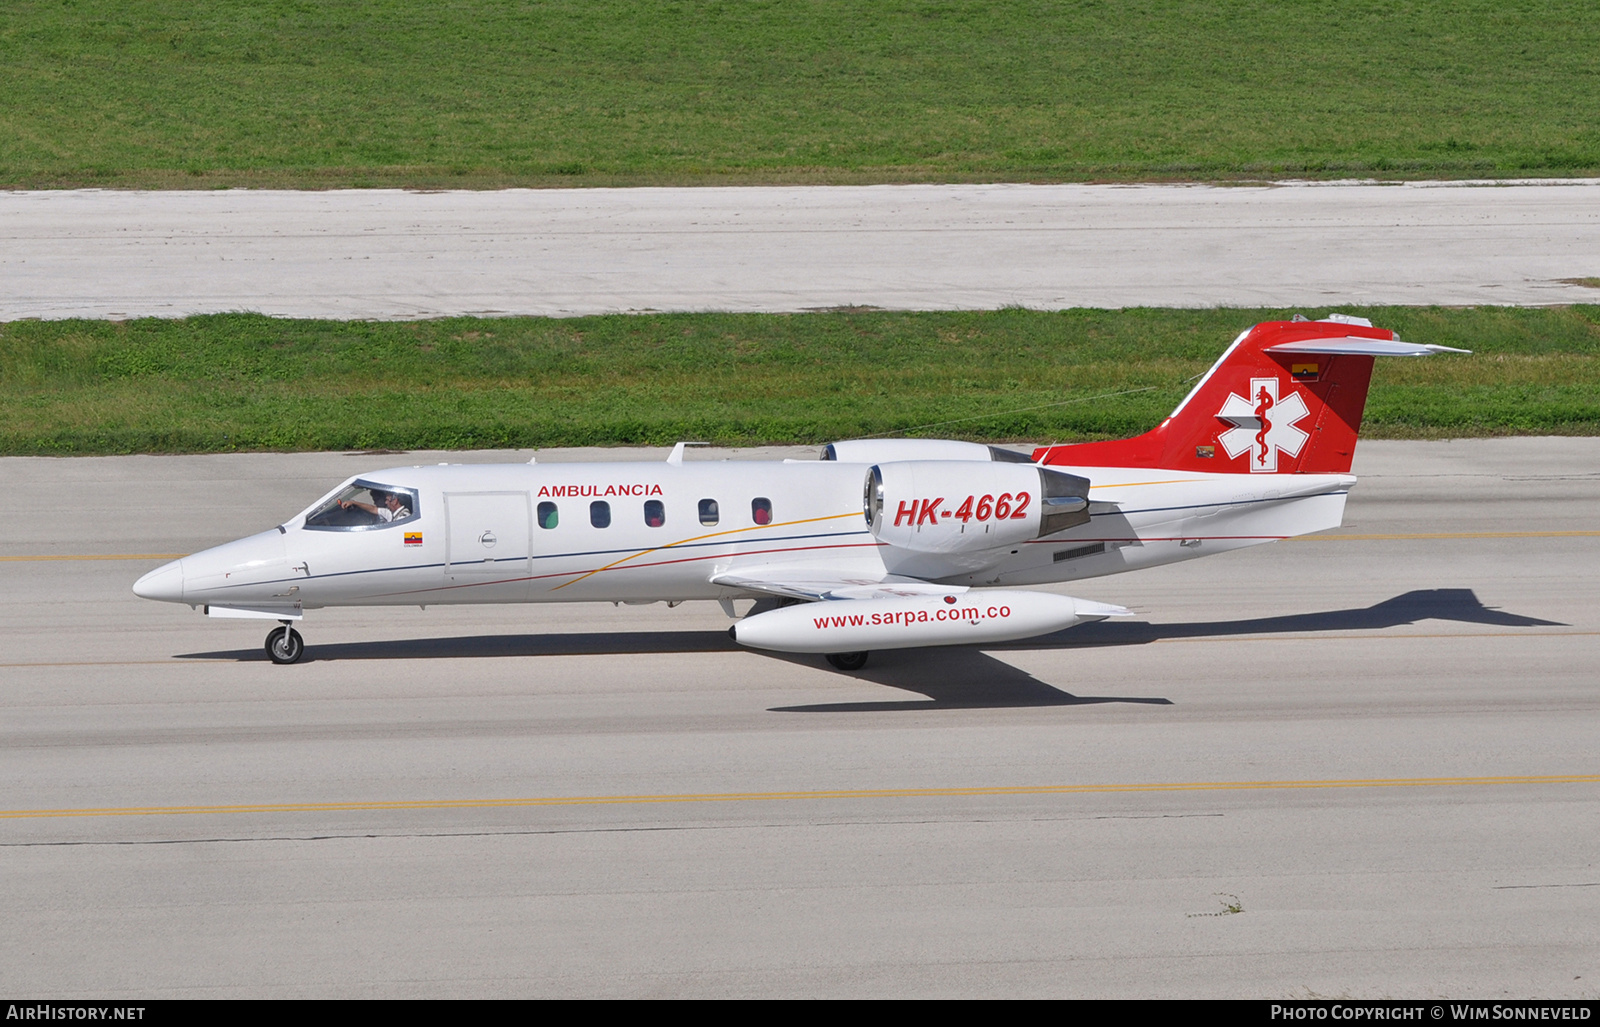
(1285, 398)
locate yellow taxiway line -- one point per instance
(863, 793)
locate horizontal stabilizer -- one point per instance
(1353, 346)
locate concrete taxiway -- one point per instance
(1356, 765)
(397, 254)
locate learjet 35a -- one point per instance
(881, 544)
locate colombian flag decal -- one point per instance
(1303, 372)
(413, 538)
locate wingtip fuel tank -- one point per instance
(903, 623)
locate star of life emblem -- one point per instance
(1263, 424)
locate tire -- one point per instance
(848, 661)
(284, 645)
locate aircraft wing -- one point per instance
(811, 585)
(816, 583)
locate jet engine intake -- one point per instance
(946, 506)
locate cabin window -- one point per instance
(761, 510)
(364, 505)
(600, 514)
(655, 515)
(549, 516)
(708, 512)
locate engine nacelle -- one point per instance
(877, 451)
(948, 506)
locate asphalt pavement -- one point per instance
(1361, 765)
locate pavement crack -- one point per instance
(627, 829)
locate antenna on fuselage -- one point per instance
(676, 457)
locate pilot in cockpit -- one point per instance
(386, 506)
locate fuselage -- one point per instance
(642, 532)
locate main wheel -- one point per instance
(284, 645)
(848, 661)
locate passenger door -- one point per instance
(487, 544)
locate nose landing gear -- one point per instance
(284, 645)
(848, 661)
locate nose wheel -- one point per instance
(284, 645)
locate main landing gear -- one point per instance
(284, 645)
(847, 661)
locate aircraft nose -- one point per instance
(164, 583)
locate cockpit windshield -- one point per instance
(362, 505)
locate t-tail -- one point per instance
(1285, 398)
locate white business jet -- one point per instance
(880, 544)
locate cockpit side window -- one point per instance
(364, 505)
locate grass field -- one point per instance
(243, 382)
(487, 93)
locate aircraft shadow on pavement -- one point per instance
(1452, 604)
(603, 643)
(961, 677)
(952, 677)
